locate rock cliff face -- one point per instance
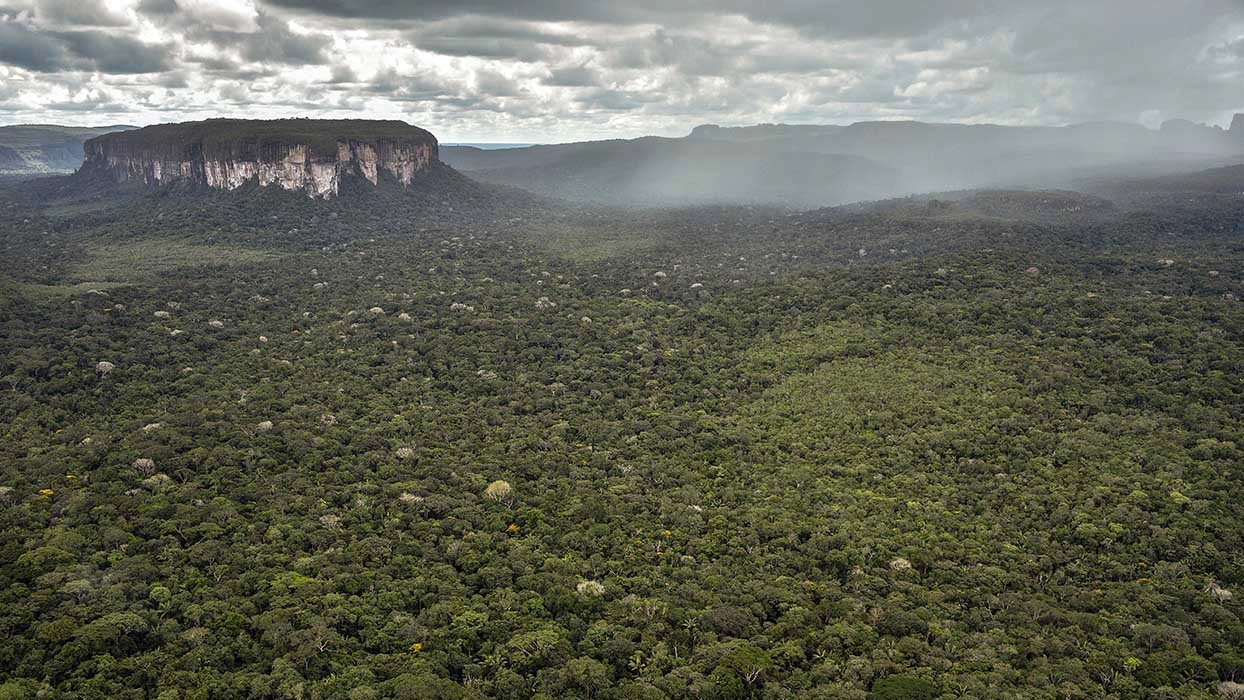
(10, 159)
(307, 155)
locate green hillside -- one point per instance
(45, 148)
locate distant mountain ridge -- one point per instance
(654, 171)
(27, 149)
(1175, 134)
(818, 165)
(950, 156)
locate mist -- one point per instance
(814, 166)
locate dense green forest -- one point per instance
(458, 443)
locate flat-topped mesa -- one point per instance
(308, 155)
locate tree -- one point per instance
(903, 688)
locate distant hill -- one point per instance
(655, 171)
(934, 157)
(818, 165)
(46, 148)
(1225, 180)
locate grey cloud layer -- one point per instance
(78, 50)
(560, 69)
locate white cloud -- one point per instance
(549, 70)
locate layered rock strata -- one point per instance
(311, 156)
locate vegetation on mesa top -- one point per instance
(320, 135)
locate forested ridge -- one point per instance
(403, 445)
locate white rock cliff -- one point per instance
(268, 156)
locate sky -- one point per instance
(559, 70)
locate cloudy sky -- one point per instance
(556, 70)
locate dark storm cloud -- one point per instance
(476, 27)
(87, 50)
(691, 55)
(259, 38)
(875, 18)
(274, 43)
(544, 10)
(495, 85)
(24, 48)
(406, 88)
(215, 63)
(844, 18)
(157, 7)
(173, 80)
(573, 76)
(482, 47)
(77, 12)
(109, 53)
(488, 37)
(342, 74)
(838, 17)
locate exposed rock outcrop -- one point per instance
(307, 155)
